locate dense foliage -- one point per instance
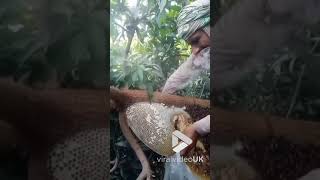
(288, 86)
(62, 40)
(50, 42)
(144, 47)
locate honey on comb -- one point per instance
(153, 124)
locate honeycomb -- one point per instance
(153, 124)
(80, 157)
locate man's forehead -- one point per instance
(195, 35)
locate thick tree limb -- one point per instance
(229, 124)
(123, 98)
(254, 125)
(146, 172)
(47, 116)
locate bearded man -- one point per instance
(245, 37)
(193, 26)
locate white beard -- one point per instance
(188, 71)
(202, 60)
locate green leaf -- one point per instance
(140, 74)
(134, 77)
(162, 4)
(175, 8)
(150, 91)
(140, 37)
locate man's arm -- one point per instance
(188, 71)
(181, 77)
(203, 126)
(199, 128)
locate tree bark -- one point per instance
(232, 125)
(63, 111)
(44, 117)
(124, 98)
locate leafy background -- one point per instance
(144, 47)
(61, 42)
(288, 86)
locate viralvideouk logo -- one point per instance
(184, 142)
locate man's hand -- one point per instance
(191, 132)
(201, 127)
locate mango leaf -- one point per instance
(175, 8)
(162, 4)
(140, 74)
(140, 37)
(134, 77)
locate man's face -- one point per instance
(198, 41)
